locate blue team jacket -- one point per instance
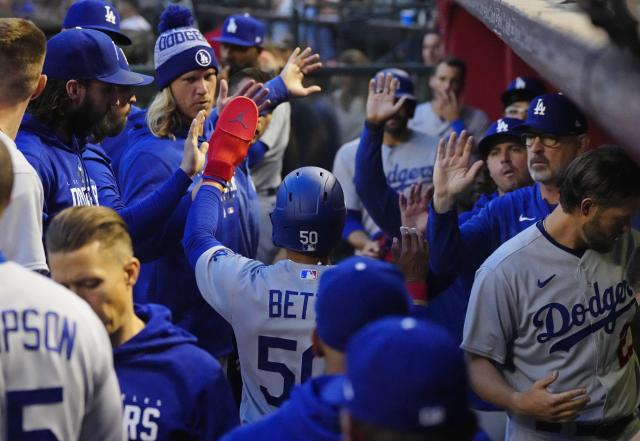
(169, 280)
(62, 170)
(304, 417)
(171, 389)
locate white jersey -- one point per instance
(426, 120)
(404, 165)
(57, 380)
(537, 307)
(21, 223)
(272, 312)
(267, 173)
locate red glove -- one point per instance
(230, 141)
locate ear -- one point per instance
(75, 90)
(42, 83)
(316, 343)
(588, 207)
(584, 141)
(132, 271)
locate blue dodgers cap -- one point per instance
(355, 292)
(554, 114)
(403, 375)
(405, 83)
(86, 54)
(242, 30)
(501, 130)
(98, 15)
(522, 89)
(124, 64)
(180, 47)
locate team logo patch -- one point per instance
(203, 58)
(109, 15)
(232, 27)
(219, 253)
(307, 274)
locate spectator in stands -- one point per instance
(446, 113)
(519, 94)
(138, 29)
(349, 96)
(22, 49)
(432, 48)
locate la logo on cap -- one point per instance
(232, 27)
(520, 83)
(203, 58)
(540, 108)
(502, 126)
(109, 15)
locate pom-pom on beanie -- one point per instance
(180, 47)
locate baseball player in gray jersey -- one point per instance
(548, 332)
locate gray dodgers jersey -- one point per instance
(404, 164)
(267, 173)
(536, 307)
(56, 365)
(272, 312)
(425, 120)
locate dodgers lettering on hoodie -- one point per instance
(62, 170)
(171, 389)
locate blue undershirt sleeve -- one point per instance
(458, 125)
(202, 223)
(256, 152)
(352, 223)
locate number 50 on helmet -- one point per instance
(310, 213)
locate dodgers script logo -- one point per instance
(556, 320)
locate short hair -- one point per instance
(76, 227)
(6, 175)
(607, 174)
(22, 49)
(457, 63)
(253, 73)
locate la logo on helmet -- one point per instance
(109, 15)
(203, 58)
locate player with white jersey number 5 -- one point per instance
(271, 308)
(57, 380)
(548, 332)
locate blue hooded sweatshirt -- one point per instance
(170, 280)
(171, 389)
(304, 417)
(62, 170)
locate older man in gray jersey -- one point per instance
(548, 332)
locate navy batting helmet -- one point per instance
(310, 211)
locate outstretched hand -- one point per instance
(452, 173)
(193, 156)
(411, 254)
(414, 207)
(299, 64)
(255, 91)
(381, 101)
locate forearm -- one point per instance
(358, 239)
(142, 216)
(380, 200)
(202, 223)
(490, 384)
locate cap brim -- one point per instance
(333, 392)
(233, 41)
(118, 37)
(126, 78)
(489, 141)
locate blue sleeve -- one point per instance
(352, 223)
(140, 174)
(380, 200)
(256, 152)
(454, 249)
(278, 93)
(458, 125)
(216, 408)
(202, 223)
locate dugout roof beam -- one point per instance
(559, 41)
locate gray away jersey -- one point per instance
(536, 307)
(56, 365)
(272, 312)
(404, 164)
